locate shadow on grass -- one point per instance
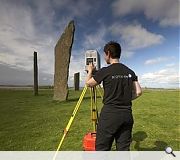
(140, 136)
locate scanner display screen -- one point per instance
(89, 60)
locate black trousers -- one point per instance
(116, 126)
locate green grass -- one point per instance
(36, 123)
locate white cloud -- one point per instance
(135, 36)
(78, 8)
(20, 37)
(32, 26)
(126, 54)
(95, 40)
(131, 37)
(164, 78)
(25, 29)
(157, 60)
(170, 65)
(77, 64)
(166, 12)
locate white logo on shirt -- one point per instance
(121, 76)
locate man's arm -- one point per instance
(137, 91)
(90, 82)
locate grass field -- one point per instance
(36, 123)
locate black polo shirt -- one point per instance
(117, 83)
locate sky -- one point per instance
(148, 32)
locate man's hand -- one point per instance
(90, 82)
(91, 67)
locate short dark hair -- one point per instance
(114, 49)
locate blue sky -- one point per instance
(148, 32)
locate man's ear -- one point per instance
(108, 54)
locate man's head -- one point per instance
(112, 50)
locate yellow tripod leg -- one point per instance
(70, 121)
(94, 114)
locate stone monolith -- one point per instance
(76, 81)
(35, 74)
(62, 60)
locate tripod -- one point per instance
(94, 112)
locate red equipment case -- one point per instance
(89, 141)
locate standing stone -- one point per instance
(35, 74)
(76, 81)
(62, 60)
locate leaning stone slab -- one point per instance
(62, 60)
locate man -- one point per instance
(120, 87)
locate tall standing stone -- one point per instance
(35, 74)
(62, 60)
